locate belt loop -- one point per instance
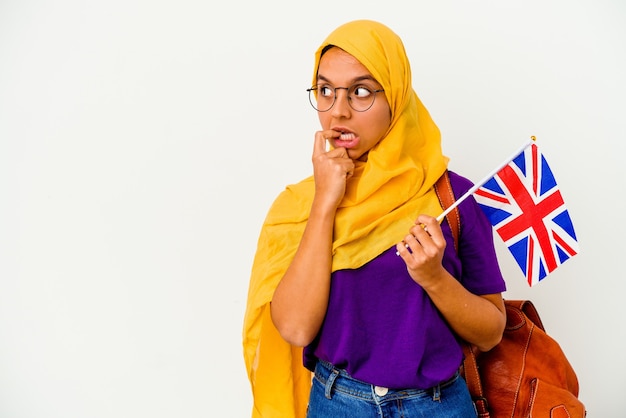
(329, 383)
(437, 393)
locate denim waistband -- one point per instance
(338, 379)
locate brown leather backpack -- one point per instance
(526, 374)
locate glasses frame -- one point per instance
(312, 100)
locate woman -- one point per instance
(352, 264)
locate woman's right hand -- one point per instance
(301, 298)
(331, 170)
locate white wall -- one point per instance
(142, 142)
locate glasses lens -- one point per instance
(361, 98)
(322, 99)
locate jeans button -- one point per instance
(380, 391)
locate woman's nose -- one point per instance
(342, 103)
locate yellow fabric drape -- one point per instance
(382, 200)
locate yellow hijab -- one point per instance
(382, 200)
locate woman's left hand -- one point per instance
(422, 251)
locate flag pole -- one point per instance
(485, 180)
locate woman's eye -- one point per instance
(326, 91)
(361, 92)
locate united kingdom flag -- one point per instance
(526, 208)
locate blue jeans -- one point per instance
(334, 394)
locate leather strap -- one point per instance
(472, 378)
(444, 191)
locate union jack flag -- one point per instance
(526, 208)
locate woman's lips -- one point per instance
(346, 140)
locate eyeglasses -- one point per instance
(360, 97)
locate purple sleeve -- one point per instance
(480, 272)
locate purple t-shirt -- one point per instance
(382, 328)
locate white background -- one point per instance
(142, 142)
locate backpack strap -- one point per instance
(444, 191)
